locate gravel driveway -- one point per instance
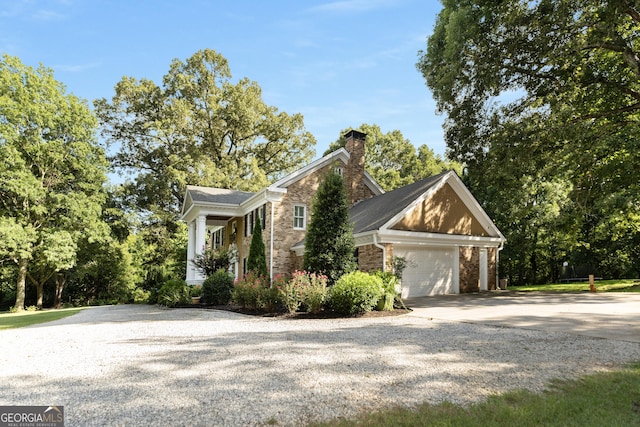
(146, 365)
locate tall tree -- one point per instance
(52, 173)
(555, 85)
(195, 127)
(393, 161)
(257, 260)
(329, 247)
(198, 128)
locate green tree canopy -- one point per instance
(393, 161)
(329, 247)
(52, 173)
(542, 101)
(200, 128)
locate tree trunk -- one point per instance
(60, 281)
(20, 286)
(39, 287)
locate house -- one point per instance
(436, 224)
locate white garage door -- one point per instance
(430, 271)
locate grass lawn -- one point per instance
(26, 318)
(604, 399)
(621, 285)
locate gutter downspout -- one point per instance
(384, 251)
(501, 247)
(271, 246)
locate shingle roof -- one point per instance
(373, 213)
(217, 195)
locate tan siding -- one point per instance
(442, 212)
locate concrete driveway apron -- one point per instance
(603, 315)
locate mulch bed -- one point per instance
(299, 315)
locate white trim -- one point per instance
(304, 217)
(466, 197)
(271, 244)
(384, 252)
(456, 269)
(396, 218)
(340, 154)
(483, 274)
(435, 239)
(470, 201)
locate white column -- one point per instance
(456, 269)
(191, 251)
(484, 277)
(201, 235)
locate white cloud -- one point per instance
(352, 5)
(75, 68)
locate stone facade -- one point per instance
(370, 257)
(470, 269)
(354, 172)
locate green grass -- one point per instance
(620, 285)
(26, 318)
(604, 399)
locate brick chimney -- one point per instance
(354, 174)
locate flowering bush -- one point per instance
(304, 289)
(314, 291)
(268, 299)
(248, 290)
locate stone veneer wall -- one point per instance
(469, 269)
(370, 257)
(301, 192)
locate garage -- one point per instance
(430, 271)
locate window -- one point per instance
(260, 212)
(218, 238)
(299, 217)
(338, 171)
(248, 223)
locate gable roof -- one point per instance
(217, 195)
(384, 211)
(341, 155)
(225, 198)
(372, 214)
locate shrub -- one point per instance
(216, 289)
(389, 283)
(329, 245)
(140, 296)
(314, 291)
(212, 260)
(307, 290)
(195, 291)
(174, 292)
(257, 260)
(247, 290)
(290, 295)
(268, 298)
(356, 293)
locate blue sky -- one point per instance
(338, 63)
